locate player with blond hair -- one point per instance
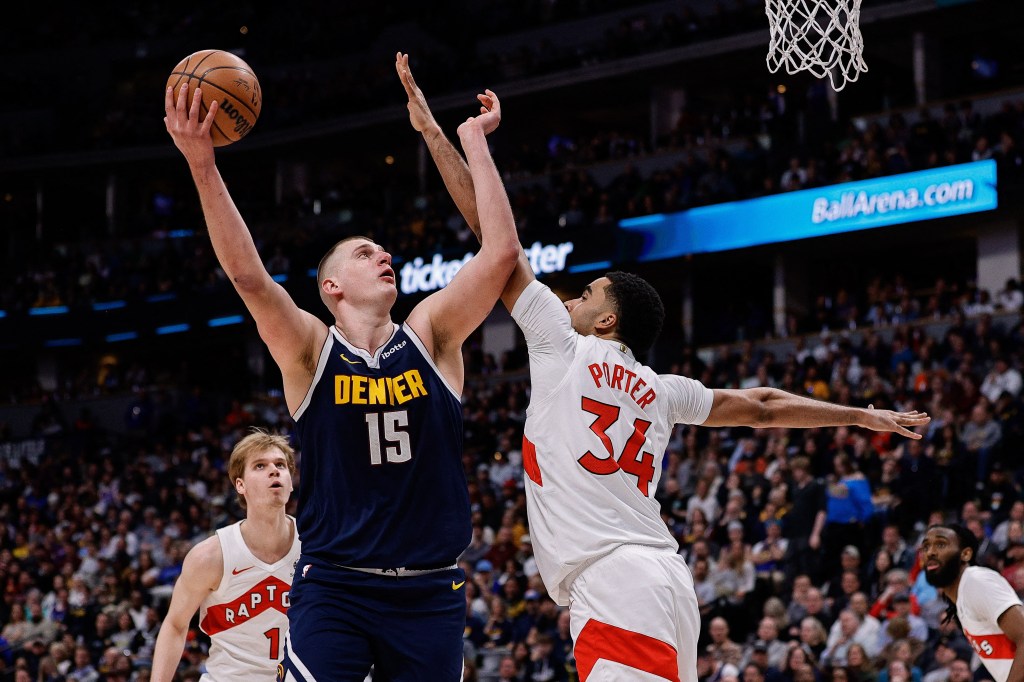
(239, 579)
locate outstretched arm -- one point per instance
(446, 318)
(200, 574)
(455, 172)
(293, 336)
(769, 407)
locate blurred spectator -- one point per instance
(897, 583)
(805, 521)
(848, 510)
(980, 436)
(1002, 378)
(859, 663)
(722, 648)
(1010, 299)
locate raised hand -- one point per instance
(489, 118)
(419, 113)
(899, 422)
(420, 116)
(490, 111)
(190, 135)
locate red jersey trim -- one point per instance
(601, 640)
(997, 645)
(269, 593)
(530, 465)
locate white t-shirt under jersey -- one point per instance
(982, 597)
(596, 433)
(246, 617)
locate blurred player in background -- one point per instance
(383, 509)
(597, 427)
(239, 579)
(982, 601)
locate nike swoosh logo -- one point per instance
(456, 585)
(236, 571)
(351, 362)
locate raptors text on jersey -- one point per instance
(246, 617)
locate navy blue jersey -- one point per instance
(382, 484)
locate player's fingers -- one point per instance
(408, 72)
(168, 100)
(907, 432)
(193, 111)
(406, 77)
(182, 94)
(912, 422)
(208, 121)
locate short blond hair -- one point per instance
(321, 268)
(257, 442)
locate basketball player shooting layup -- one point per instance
(239, 579)
(383, 506)
(986, 607)
(596, 430)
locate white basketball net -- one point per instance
(819, 36)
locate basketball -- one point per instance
(228, 80)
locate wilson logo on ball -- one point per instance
(242, 124)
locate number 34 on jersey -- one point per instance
(631, 460)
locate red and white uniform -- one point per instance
(596, 432)
(246, 617)
(983, 596)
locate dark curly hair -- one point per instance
(966, 540)
(639, 308)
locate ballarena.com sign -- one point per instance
(857, 204)
(419, 275)
(847, 207)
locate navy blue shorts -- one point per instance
(341, 622)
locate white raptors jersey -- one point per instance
(596, 432)
(246, 617)
(982, 597)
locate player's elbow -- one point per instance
(502, 255)
(510, 252)
(761, 416)
(758, 407)
(250, 283)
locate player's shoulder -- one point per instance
(205, 561)
(974, 574)
(978, 582)
(680, 383)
